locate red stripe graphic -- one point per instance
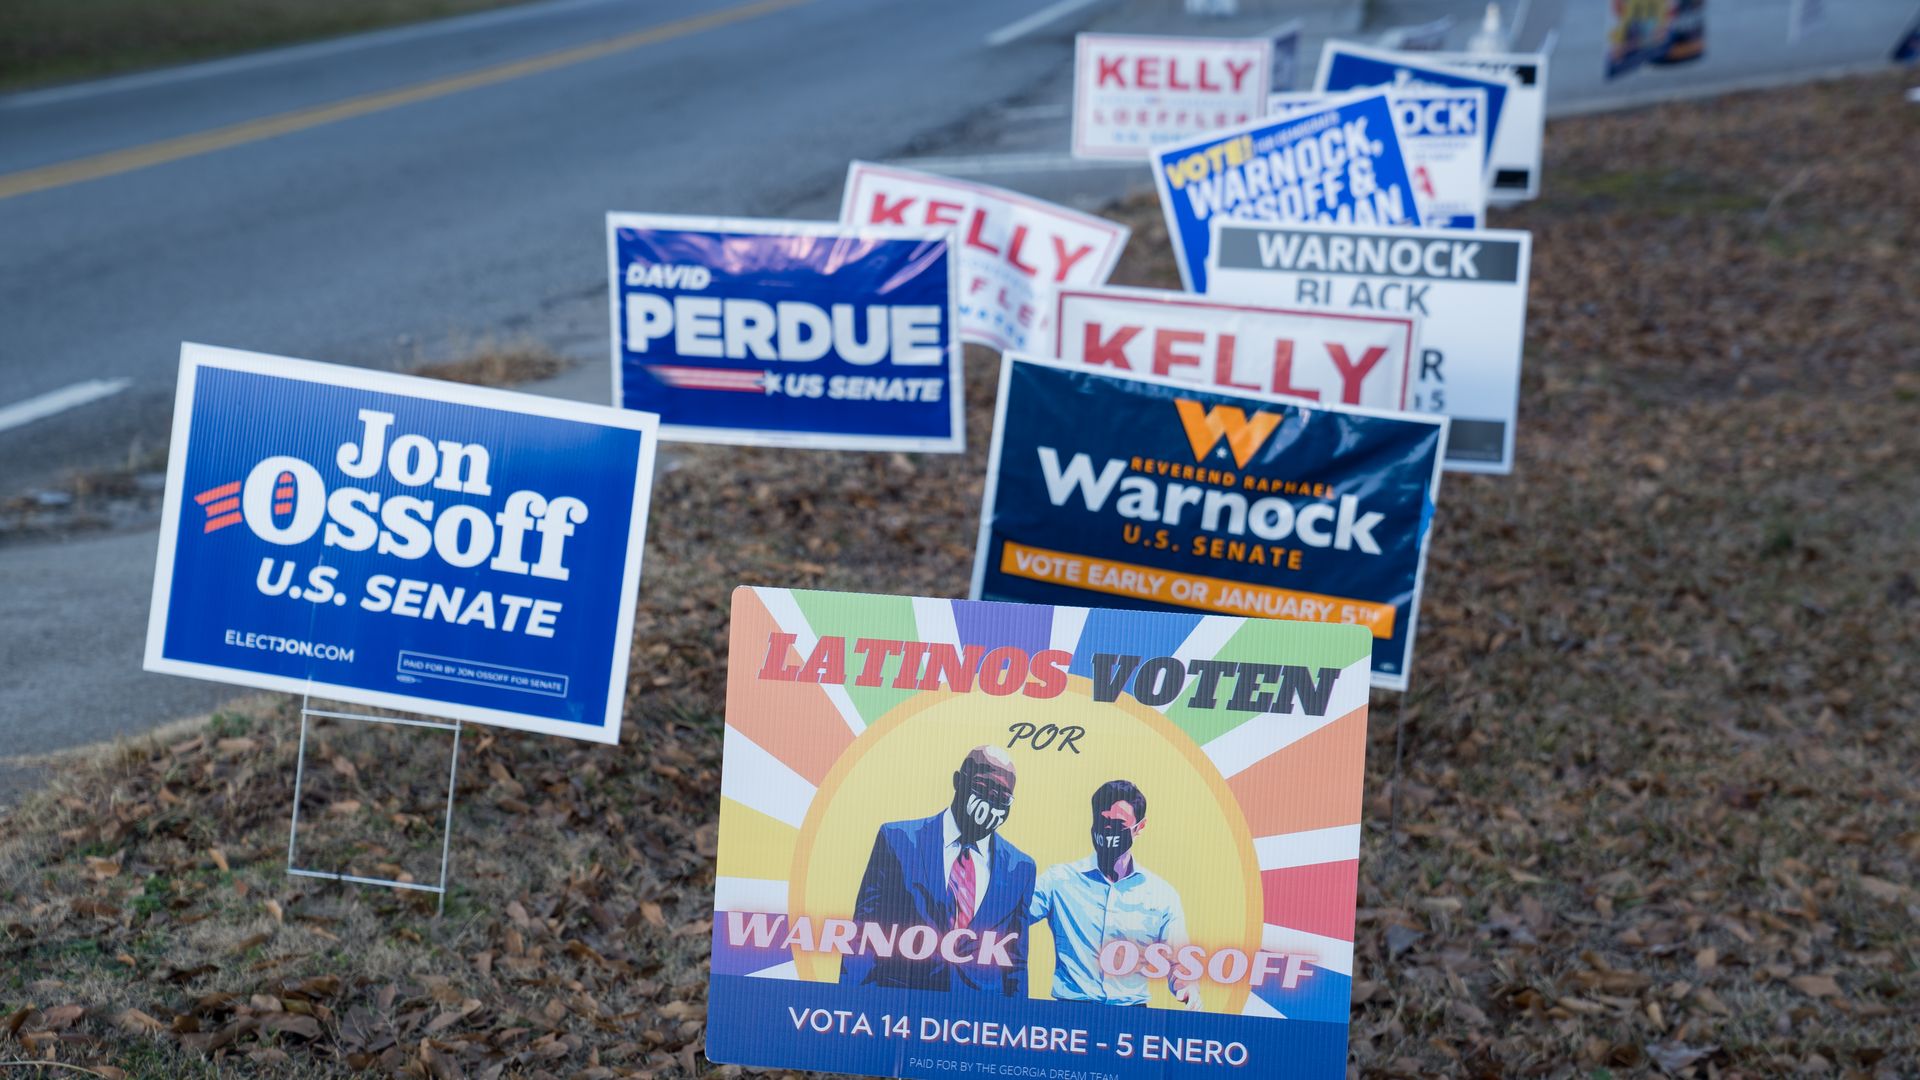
(220, 492)
(1318, 898)
(222, 504)
(693, 378)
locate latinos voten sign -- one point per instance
(1141, 492)
(1467, 287)
(1021, 840)
(787, 333)
(401, 542)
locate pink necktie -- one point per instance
(960, 884)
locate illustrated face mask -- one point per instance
(985, 814)
(1111, 838)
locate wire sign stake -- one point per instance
(299, 777)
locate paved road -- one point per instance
(400, 196)
(473, 213)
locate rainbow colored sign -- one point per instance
(964, 837)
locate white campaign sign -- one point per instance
(1443, 138)
(1132, 94)
(1468, 287)
(1513, 170)
(1350, 358)
(1015, 250)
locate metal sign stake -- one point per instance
(446, 832)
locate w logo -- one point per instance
(1205, 428)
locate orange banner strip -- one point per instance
(1190, 590)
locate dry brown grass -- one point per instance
(509, 363)
(1660, 791)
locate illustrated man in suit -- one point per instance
(951, 872)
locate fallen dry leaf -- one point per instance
(60, 1017)
(1672, 1057)
(1815, 985)
(137, 1021)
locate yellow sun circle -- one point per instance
(901, 768)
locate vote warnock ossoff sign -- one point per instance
(398, 542)
(967, 838)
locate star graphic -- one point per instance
(771, 381)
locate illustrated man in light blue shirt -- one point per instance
(1106, 897)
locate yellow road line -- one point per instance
(115, 162)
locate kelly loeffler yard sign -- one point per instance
(1134, 93)
(1467, 288)
(402, 543)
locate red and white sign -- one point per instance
(1326, 356)
(1134, 94)
(1015, 251)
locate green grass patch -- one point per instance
(44, 41)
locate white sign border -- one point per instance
(991, 489)
(194, 357)
(955, 443)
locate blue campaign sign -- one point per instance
(400, 542)
(1346, 66)
(786, 333)
(1137, 492)
(1337, 163)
